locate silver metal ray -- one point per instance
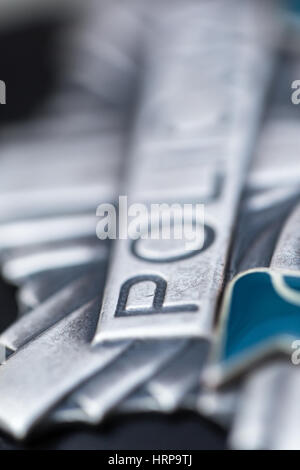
(152, 292)
(267, 413)
(221, 404)
(101, 394)
(287, 253)
(76, 166)
(55, 308)
(269, 197)
(53, 363)
(106, 392)
(267, 416)
(156, 291)
(38, 288)
(80, 131)
(30, 233)
(185, 133)
(20, 266)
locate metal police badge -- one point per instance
(158, 107)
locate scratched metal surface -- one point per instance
(51, 255)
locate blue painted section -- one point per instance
(258, 313)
